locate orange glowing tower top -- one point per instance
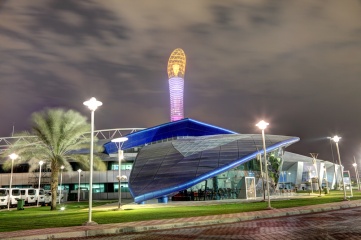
(176, 70)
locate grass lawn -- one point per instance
(76, 213)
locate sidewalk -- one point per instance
(102, 229)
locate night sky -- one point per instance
(295, 64)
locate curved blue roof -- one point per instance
(168, 167)
(183, 127)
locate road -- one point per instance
(340, 224)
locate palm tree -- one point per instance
(56, 136)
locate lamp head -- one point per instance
(262, 125)
(336, 139)
(41, 163)
(13, 156)
(93, 104)
(79, 170)
(62, 167)
(119, 140)
(123, 177)
(354, 164)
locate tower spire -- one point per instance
(176, 70)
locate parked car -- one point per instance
(4, 198)
(14, 196)
(47, 197)
(40, 196)
(29, 196)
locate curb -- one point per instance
(104, 229)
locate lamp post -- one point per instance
(314, 156)
(324, 168)
(119, 143)
(260, 164)
(79, 171)
(333, 160)
(357, 176)
(92, 104)
(336, 139)
(12, 156)
(120, 178)
(41, 164)
(263, 125)
(310, 179)
(61, 180)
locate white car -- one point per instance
(14, 196)
(28, 195)
(47, 197)
(40, 196)
(3, 198)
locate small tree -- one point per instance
(274, 168)
(56, 136)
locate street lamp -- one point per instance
(314, 156)
(336, 139)
(41, 164)
(259, 157)
(310, 179)
(12, 156)
(120, 178)
(357, 175)
(119, 143)
(324, 168)
(263, 125)
(61, 180)
(92, 104)
(333, 161)
(79, 171)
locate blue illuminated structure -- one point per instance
(181, 128)
(178, 155)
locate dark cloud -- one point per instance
(294, 63)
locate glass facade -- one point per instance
(166, 168)
(125, 166)
(228, 185)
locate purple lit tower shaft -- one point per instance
(176, 89)
(176, 70)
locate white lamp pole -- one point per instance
(41, 164)
(79, 171)
(119, 143)
(324, 168)
(12, 156)
(336, 139)
(262, 125)
(334, 163)
(310, 179)
(92, 104)
(61, 180)
(356, 173)
(314, 156)
(259, 157)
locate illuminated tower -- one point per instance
(176, 69)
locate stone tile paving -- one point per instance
(115, 228)
(338, 224)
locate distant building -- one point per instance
(188, 160)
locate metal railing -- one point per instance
(5, 142)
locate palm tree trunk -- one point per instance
(54, 187)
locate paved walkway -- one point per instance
(330, 225)
(85, 231)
